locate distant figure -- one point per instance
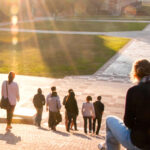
(99, 109)
(64, 103)
(88, 113)
(134, 132)
(72, 110)
(39, 102)
(53, 105)
(10, 89)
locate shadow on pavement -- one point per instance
(98, 137)
(61, 133)
(82, 136)
(10, 138)
(42, 128)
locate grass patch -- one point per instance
(84, 26)
(56, 55)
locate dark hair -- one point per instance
(89, 98)
(39, 91)
(54, 94)
(71, 96)
(70, 90)
(53, 88)
(99, 98)
(11, 76)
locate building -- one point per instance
(118, 7)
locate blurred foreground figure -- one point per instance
(134, 132)
(10, 91)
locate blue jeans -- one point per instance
(117, 133)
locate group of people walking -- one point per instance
(90, 111)
(133, 132)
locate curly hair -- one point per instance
(140, 69)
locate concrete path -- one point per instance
(119, 67)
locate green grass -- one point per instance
(109, 17)
(83, 26)
(56, 55)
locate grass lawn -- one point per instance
(83, 26)
(109, 17)
(56, 55)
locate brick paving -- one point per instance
(27, 137)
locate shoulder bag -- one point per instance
(4, 104)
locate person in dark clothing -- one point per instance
(99, 109)
(39, 102)
(134, 132)
(64, 103)
(72, 110)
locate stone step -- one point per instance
(19, 120)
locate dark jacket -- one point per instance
(39, 100)
(137, 114)
(71, 106)
(99, 108)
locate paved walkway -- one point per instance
(24, 137)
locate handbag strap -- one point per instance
(6, 88)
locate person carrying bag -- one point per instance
(10, 94)
(4, 104)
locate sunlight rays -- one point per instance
(34, 36)
(61, 40)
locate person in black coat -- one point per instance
(39, 102)
(99, 109)
(66, 117)
(72, 110)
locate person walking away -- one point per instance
(66, 117)
(54, 106)
(10, 89)
(39, 102)
(134, 131)
(72, 110)
(99, 109)
(88, 113)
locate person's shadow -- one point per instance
(82, 136)
(10, 138)
(61, 133)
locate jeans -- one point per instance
(85, 124)
(52, 121)
(38, 117)
(98, 124)
(117, 133)
(10, 111)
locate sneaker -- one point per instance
(102, 146)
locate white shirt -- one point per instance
(13, 92)
(88, 110)
(53, 103)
